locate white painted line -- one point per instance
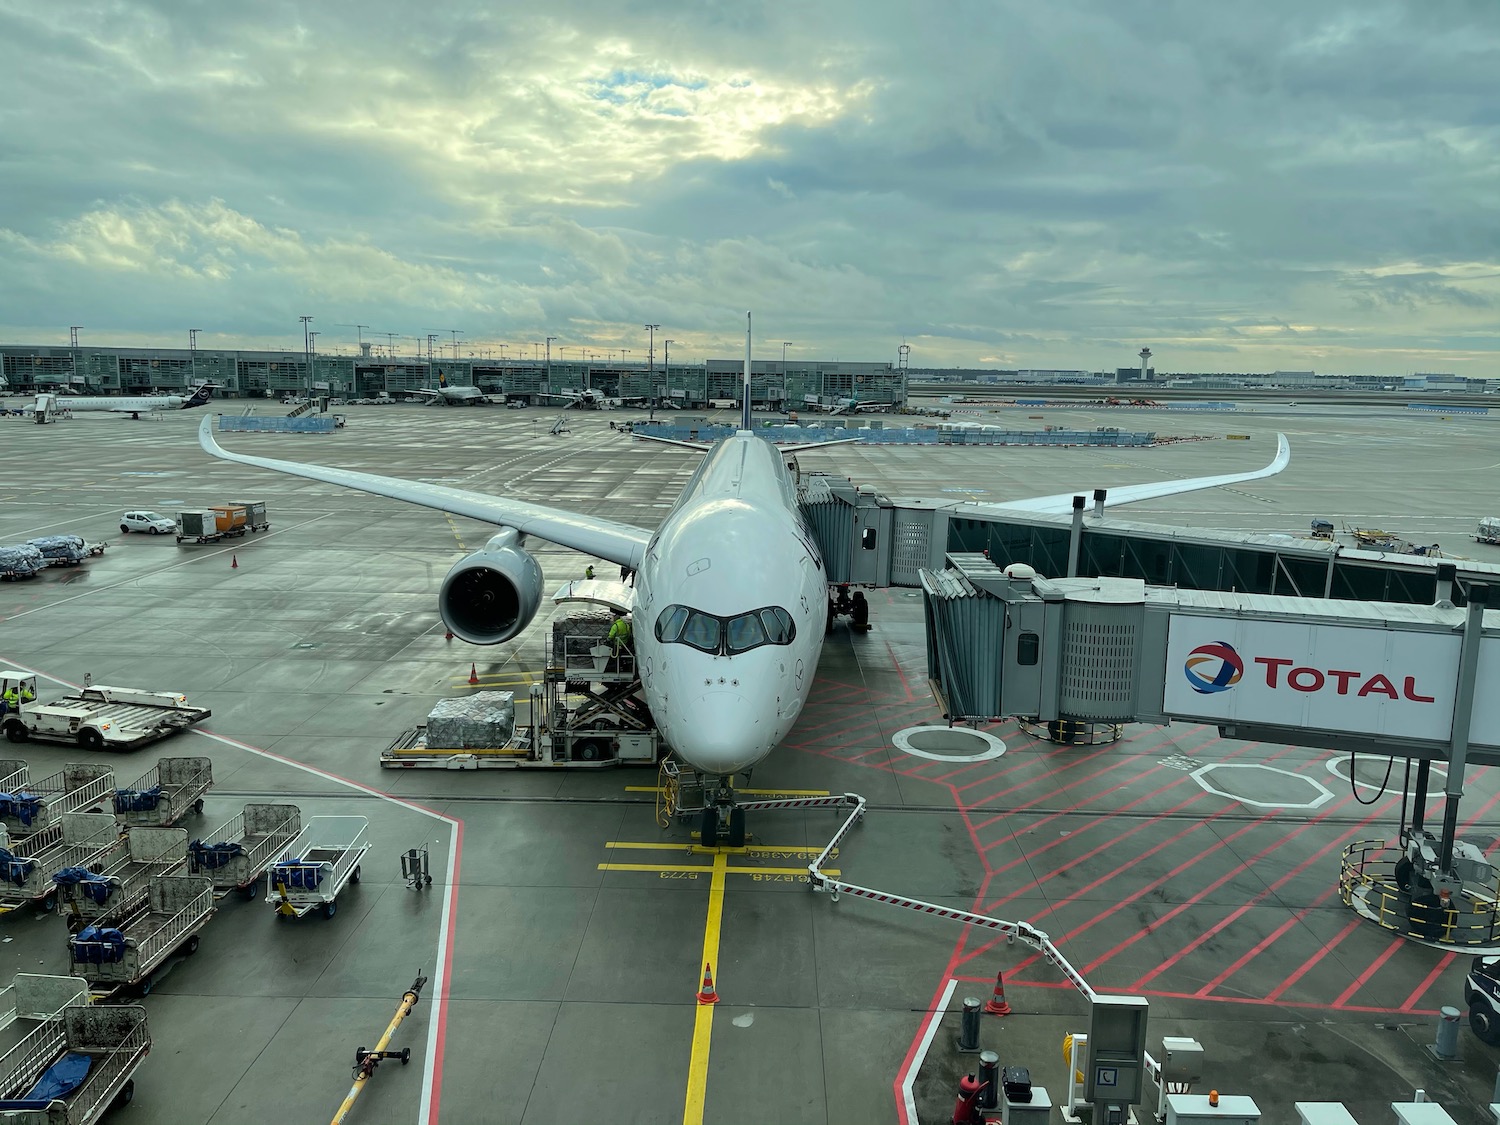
(994, 748)
(1200, 775)
(436, 1027)
(1333, 768)
(909, 1079)
(61, 523)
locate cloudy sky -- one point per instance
(1018, 184)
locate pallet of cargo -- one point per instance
(28, 806)
(44, 1082)
(237, 853)
(82, 840)
(165, 793)
(95, 717)
(89, 895)
(124, 950)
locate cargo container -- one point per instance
(255, 514)
(230, 518)
(199, 527)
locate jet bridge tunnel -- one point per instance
(1379, 678)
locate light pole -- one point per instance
(549, 360)
(784, 345)
(307, 352)
(651, 331)
(454, 332)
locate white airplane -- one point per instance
(730, 601)
(134, 405)
(453, 396)
(590, 399)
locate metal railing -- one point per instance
(1368, 886)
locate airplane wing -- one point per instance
(1131, 493)
(617, 542)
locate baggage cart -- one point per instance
(88, 840)
(114, 1041)
(28, 806)
(149, 853)
(164, 794)
(236, 854)
(61, 550)
(255, 514)
(310, 872)
(199, 527)
(231, 519)
(20, 561)
(38, 999)
(123, 952)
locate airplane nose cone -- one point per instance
(722, 733)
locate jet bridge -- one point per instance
(1380, 678)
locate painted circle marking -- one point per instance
(948, 744)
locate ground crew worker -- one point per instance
(588, 571)
(619, 632)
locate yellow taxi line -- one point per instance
(703, 1022)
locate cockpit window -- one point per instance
(725, 636)
(702, 632)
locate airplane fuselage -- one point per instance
(726, 675)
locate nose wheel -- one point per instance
(722, 824)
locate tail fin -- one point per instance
(200, 396)
(745, 423)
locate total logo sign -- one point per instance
(1370, 681)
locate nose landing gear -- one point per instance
(723, 822)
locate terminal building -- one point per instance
(254, 374)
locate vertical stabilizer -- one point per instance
(745, 423)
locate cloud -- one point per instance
(1057, 185)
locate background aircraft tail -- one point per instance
(201, 396)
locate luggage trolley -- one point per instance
(311, 871)
(149, 852)
(165, 794)
(90, 841)
(235, 854)
(74, 1070)
(124, 951)
(28, 806)
(39, 998)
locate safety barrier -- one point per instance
(1368, 886)
(1443, 409)
(802, 435)
(317, 424)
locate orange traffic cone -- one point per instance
(997, 1005)
(234, 563)
(448, 635)
(473, 673)
(707, 994)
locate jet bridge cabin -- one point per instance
(1373, 677)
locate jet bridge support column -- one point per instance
(1463, 713)
(1075, 540)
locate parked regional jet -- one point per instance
(730, 596)
(591, 399)
(134, 405)
(453, 396)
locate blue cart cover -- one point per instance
(211, 857)
(98, 945)
(23, 806)
(57, 1081)
(296, 875)
(14, 870)
(97, 888)
(137, 800)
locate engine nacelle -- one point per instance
(490, 596)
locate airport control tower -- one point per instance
(1145, 364)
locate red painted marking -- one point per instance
(1168, 995)
(1437, 971)
(1370, 971)
(896, 663)
(1275, 994)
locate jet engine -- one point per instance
(493, 594)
